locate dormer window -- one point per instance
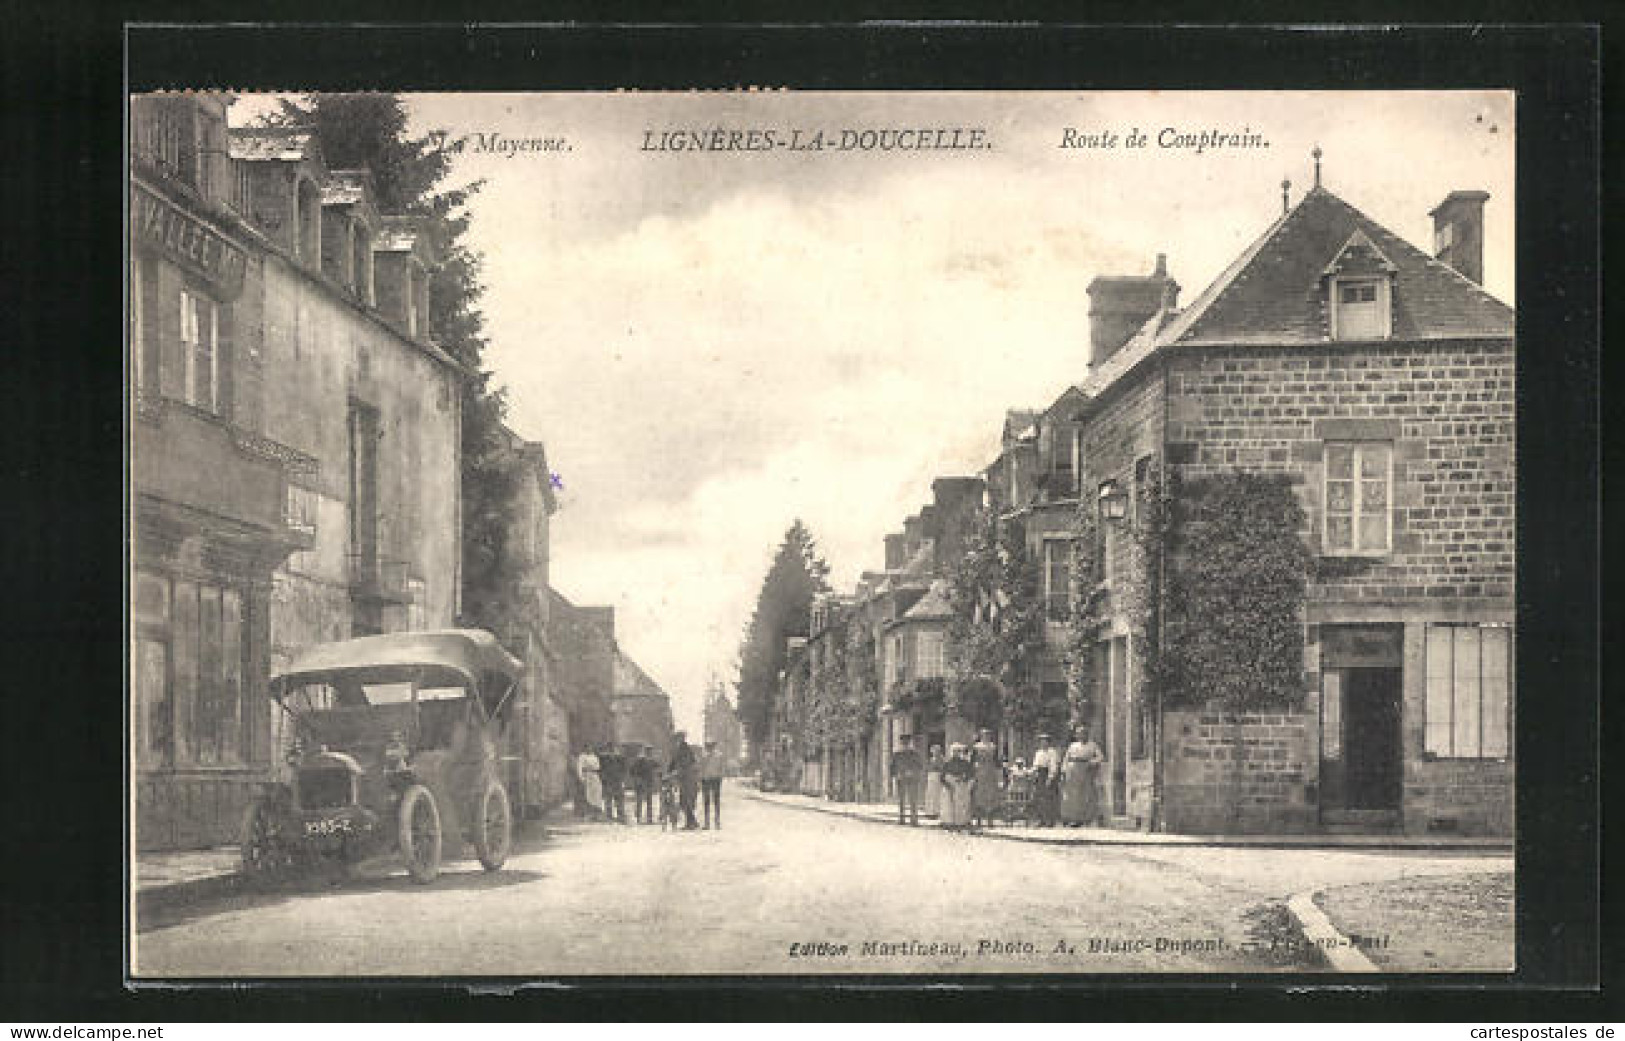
(1359, 290)
(1361, 311)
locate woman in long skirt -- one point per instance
(1080, 781)
(988, 794)
(933, 783)
(592, 789)
(957, 775)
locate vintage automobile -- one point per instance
(395, 749)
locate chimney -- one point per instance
(911, 536)
(1458, 232)
(599, 618)
(894, 552)
(956, 500)
(1120, 304)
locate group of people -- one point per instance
(971, 787)
(606, 773)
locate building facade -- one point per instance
(209, 491)
(1378, 381)
(1375, 380)
(642, 710)
(721, 726)
(287, 321)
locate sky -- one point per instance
(713, 344)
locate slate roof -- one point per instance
(1273, 293)
(1020, 423)
(1276, 294)
(933, 605)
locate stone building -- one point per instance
(209, 491)
(642, 710)
(721, 725)
(1379, 381)
(296, 451)
(538, 734)
(350, 376)
(583, 639)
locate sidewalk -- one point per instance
(886, 813)
(164, 877)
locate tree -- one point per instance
(797, 574)
(368, 131)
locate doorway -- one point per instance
(1361, 746)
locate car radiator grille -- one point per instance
(321, 789)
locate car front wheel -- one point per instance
(266, 852)
(420, 834)
(493, 838)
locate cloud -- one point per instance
(714, 346)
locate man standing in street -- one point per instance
(612, 772)
(907, 771)
(686, 767)
(711, 771)
(643, 785)
(1046, 774)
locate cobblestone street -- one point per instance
(775, 883)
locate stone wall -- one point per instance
(323, 350)
(1447, 408)
(1239, 774)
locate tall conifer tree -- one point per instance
(797, 574)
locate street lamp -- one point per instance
(1113, 501)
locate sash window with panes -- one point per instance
(200, 338)
(1358, 514)
(1057, 579)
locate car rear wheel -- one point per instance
(420, 834)
(493, 837)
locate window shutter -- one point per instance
(226, 360)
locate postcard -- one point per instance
(787, 532)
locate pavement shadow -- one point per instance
(239, 894)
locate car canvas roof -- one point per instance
(469, 651)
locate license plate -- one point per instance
(327, 827)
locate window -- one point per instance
(1057, 579)
(1063, 463)
(200, 331)
(928, 655)
(1444, 236)
(189, 651)
(167, 140)
(1468, 693)
(1360, 310)
(242, 188)
(1358, 478)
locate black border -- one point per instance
(58, 956)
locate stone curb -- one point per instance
(1132, 838)
(1337, 949)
